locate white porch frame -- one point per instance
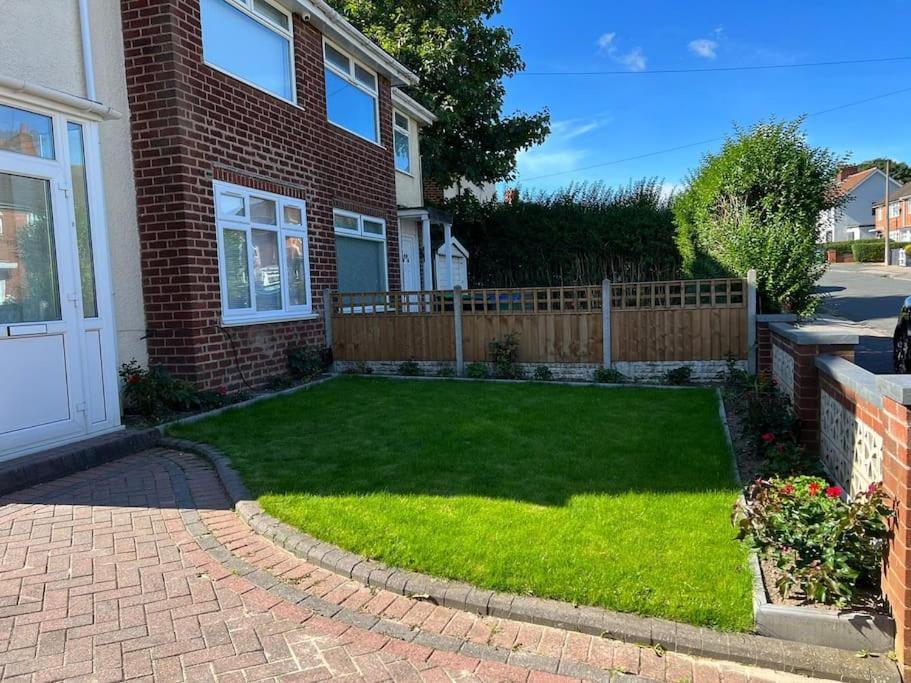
(423, 215)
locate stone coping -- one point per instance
(754, 650)
(862, 382)
(776, 318)
(896, 387)
(815, 334)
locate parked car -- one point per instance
(901, 340)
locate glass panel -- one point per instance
(336, 58)
(293, 215)
(273, 14)
(262, 211)
(237, 43)
(361, 264)
(83, 222)
(25, 132)
(365, 77)
(373, 227)
(401, 121)
(350, 107)
(343, 222)
(267, 279)
(297, 273)
(231, 205)
(402, 152)
(236, 275)
(28, 262)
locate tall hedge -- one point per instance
(756, 204)
(573, 236)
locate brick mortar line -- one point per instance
(748, 649)
(385, 627)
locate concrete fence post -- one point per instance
(327, 316)
(605, 321)
(752, 347)
(457, 314)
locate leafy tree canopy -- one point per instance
(462, 61)
(756, 204)
(898, 170)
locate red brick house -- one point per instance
(899, 214)
(262, 136)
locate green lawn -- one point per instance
(612, 497)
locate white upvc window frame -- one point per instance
(248, 8)
(361, 234)
(895, 209)
(250, 316)
(406, 131)
(349, 77)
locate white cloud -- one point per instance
(635, 59)
(563, 150)
(570, 129)
(606, 41)
(705, 48)
(538, 162)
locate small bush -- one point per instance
(410, 369)
(868, 251)
(609, 376)
(769, 412)
(359, 368)
(279, 382)
(304, 362)
(825, 547)
(446, 371)
(543, 374)
(505, 356)
(153, 393)
(679, 377)
(786, 459)
(477, 371)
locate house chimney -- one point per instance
(511, 196)
(846, 171)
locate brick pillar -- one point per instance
(896, 392)
(764, 338)
(803, 345)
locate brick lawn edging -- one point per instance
(747, 649)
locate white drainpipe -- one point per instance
(88, 64)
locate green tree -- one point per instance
(462, 61)
(898, 170)
(756, 204)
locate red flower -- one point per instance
(787, 489)
(814, 488)
(873, 488)
(768, 437)
(833, 491)
(134, 379)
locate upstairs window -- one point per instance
(252, 41)
(351, 94)
(401, 131)
(263, 260)
(894, 210)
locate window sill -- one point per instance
(262, 320)
(405, 173)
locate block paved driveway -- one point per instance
(103, 577)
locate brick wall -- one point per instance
(192, 124)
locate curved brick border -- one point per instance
(753, 650)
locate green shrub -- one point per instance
(410, 369)
(359, 368)
(543, 374)
(869, 251)
(907, 249)
(679, 377)
(446, 371)
(304, 362)
(609, 376)
(824, 547)
(505, 356)
(477, 371)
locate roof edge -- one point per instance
(413, 108)
(336, 27)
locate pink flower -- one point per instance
(768, 437)
(787, 489)
(833, 492)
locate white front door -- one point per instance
(411, 262)
(57, 375)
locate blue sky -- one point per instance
(603, 118)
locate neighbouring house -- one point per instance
(855, 219)
(899, 214)
(180, 180)
(71, 301)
